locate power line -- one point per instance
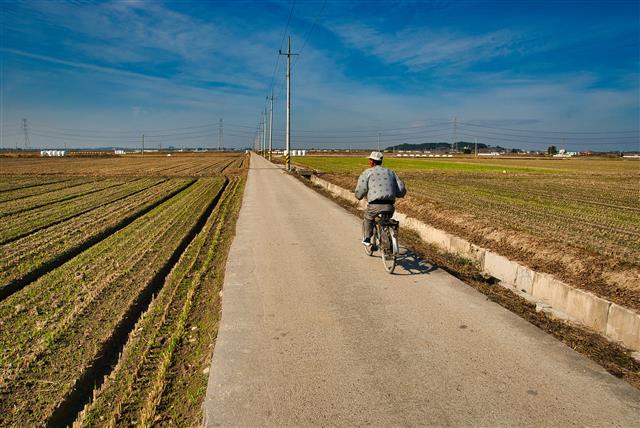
(214, 126)
(313, 26)
(284, 33)
(336, 137)
(138, 131)
(577, 143)
(320, 137)
(554, 136)
(550, 132)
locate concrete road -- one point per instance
(314, 332)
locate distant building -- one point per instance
(52, 153)
(565, 154)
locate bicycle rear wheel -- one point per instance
(388, 247)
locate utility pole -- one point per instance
(142, 145)
(288, 130)
(256, 143)
(264, 133)
(25, 130)
(476, 147)
(271, 126)
(220, 136)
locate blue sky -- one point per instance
(518, 74)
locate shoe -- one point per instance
(366, 242)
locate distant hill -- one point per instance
(434, 146)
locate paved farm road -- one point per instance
(314, 332)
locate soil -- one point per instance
(181, 404)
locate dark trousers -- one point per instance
(370, 213)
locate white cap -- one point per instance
(376, 156)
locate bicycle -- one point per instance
(385, 239)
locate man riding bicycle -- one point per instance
(381, 186)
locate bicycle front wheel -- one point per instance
(388, 246)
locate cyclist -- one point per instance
(381, 186)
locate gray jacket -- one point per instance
(380, 184)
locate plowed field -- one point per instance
(578, 219)
(110, 271)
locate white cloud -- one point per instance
(419, 48)
(152, 35)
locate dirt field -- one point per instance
(578, 219)
(109, 292)
(176, 165)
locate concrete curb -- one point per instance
(609, 319)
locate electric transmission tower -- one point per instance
(455, 133)
(220, 136)
(25, 130)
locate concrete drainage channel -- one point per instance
(551, 295)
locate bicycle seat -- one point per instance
(386, 220)
(383, 216)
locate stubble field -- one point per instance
(578, 219)
(109, 288)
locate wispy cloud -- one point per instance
(151, 36)
(419, 49)
(82, 65)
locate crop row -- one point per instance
(93, 299)
(614, 217)
(46, 187)
(617, 192)
(133, 393)
(177, 165)
(67, 193)
(16, 226)
(25, 259)
(608, 231)
(12, 183)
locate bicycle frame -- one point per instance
(385, 227)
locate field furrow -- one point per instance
(92, 299)
(9, 184)
(36, 254)
(133, 391)
(30, 191)
(16, 226)
(67, 193)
